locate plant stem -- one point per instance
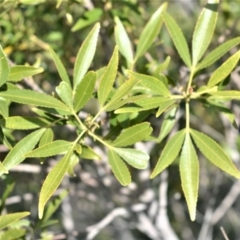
(100, 140)
(187, 115)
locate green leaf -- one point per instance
(150, 32)
(4, 67)
(17, 153)
(13, 234)
(163, 66)
(89, 153)
(8, 219)
(189, 172)
(164, 106)
(33, 98)
(89, 17)
(73, 161)
(52, 182)
(17, 73)
(50, 149)
(2, 168)
(169, 153)
(224, 70)
(84, 90)
(64, 91)
(119, 168)
(204, 30)
(225, 95)
(24, 123)
(4, 106)
(122, 40)
(123, 90)
(217, 53)
(135, 158)
(178, 38)
(154, 84)
(46, 138)
(61, 69)
(53, 206)
(132, 135)
(142, 104)
(108, 78)
(85, 55)
(214, 153)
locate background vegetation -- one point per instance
(97, 206)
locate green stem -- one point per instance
(100, 140)
(80, 122)
(187, 116)
(190, 80)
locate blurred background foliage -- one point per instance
(26, 29)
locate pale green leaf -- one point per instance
(154, 84)
(108, 78)
(61, 69)
(64, 91)
(8, 219)
(164, 106)
(24, 123)
(123, 90)
(89, 17)
(167, 124)
(135, 158)
(4, 67)
(17, 73)
(73, 161)
(50, 149)
(89, 153)
(217, 53)
(214, 153)
(33, 98)
(204, 30)
(84, 90)
(150, 32)
(142, 104)
(163, 66)
(123, 41)
(4, 107)
(119, 168)
(132, 135)
(2, 170)
(178, 38)
(85, 55)
(189, 173)
(169, 153)
(17, 153)
(52, 182)
(224, 70)
(225, 95)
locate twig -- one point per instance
(224, 233)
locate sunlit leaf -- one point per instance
(150, 32)
(123, 90)
(4, 67)
(24, 123)
(225, 95)
(154, 84)
(85, 55)
(17, 153)
(189, 172)
(204, 30)
(64, 91)
(214, 153)
(17, 73)
(89, 153)
(4, 107)
(218, 52)
(169, 153)
(52, 181)
(164, 105)
(108, 78)
(123, 41)
(8, 219)
(119, 168)
(89, 17)
(50, 149)
(73, 161)
(84, 90)
(33, 98)
(61, 69)
(135, 158)
(178, 38)
(132, 135)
